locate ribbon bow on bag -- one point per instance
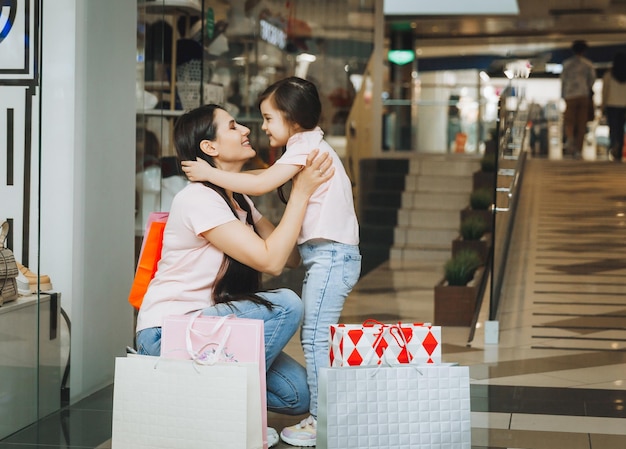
(381, 344)
(202, 356)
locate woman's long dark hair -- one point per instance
(235, 281)
(299, 102)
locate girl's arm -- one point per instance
(270, 255)
(246, 183)
(265, 228)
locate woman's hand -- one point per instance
(317, 171)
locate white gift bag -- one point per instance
(163, 404)
(400, 407)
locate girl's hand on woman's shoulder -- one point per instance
(317, 171)
(198, 170)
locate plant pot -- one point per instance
(456, 305)
(483, 180)
(485, 214)
(481, 247)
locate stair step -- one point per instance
(429, 218)
(445, 165)
(384, 165)
(423, 236)
(435, 200)
(409, 256)
(379, 235)
(373, 256)
(384, 199)
(438, 183)
(380, 216)
(388, 181)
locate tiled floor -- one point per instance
(557, 377)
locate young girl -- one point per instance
(329, 238)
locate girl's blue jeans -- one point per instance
(332, 270)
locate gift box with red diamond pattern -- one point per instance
(375, 343)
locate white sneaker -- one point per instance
(302, 434)
(272, 437)
(23, 284)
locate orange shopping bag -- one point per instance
(148, 257)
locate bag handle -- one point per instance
(200, 356)
(4, 233)
(393, 330)
(6, 266)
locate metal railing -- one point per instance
(512, 138)
(510, 162)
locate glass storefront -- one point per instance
(199, 51)
(30, 354)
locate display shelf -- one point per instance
(161, 112)
(171, 7)
(157, 85)
(30, 348)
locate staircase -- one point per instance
(437, 187)
(381, 185)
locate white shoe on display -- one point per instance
(23, 284)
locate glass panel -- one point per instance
(439, 111)
(513, 149)
(29, 373)
(191, 52)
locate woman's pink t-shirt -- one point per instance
(189, 263)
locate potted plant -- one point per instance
(473, 235)
(456, 294)
(485, 178)
(481, 201)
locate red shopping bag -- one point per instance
(148, 257)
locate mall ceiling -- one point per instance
(543, 31)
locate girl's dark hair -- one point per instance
(299, 102)
(235, 281)
(297, 99)
(618, 70)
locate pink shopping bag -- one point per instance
(208, 340)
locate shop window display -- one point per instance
(200, 51)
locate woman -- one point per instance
(215, 245)
(614, 104)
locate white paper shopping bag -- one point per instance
(226, 339)
(165, 404)
(401, 407)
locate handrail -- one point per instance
(511, 137)
(502, 239)
(515, 174)
(511, 150)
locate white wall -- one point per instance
(87, 183)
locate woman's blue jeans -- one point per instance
(287, 390)
(332, 270)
